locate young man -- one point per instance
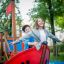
(28, 42)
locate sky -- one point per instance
(24, 7)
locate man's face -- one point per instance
(27, 29)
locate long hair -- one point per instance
(36, 23)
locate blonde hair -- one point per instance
(36, 23)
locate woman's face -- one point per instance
(40, 23)
(27, 29)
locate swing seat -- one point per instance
(30, 56)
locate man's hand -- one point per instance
(12, 43)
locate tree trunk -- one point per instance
(51, 13)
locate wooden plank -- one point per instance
(13, 24)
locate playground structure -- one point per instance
(31, 56)
(4, 40)
(7, 49)
(28, 56)
(31, 51)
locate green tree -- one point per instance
(19, 21)
(5, 21)
(60, 22)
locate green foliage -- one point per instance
(59, 58)
(6, 21)
(61, 48)
(6, 25)
(60, 22)
(19, 20)
(58, 7)
(3, 7)
(41, 9)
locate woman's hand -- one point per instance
(35, 43)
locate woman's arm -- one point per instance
(53, 36)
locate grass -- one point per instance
(58, 58)
(3, 60)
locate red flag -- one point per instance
(9, 8)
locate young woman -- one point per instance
(42, 33)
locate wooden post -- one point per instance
(2, 47)
(1, 44)
(13, 24)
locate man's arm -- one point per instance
(21, 38)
